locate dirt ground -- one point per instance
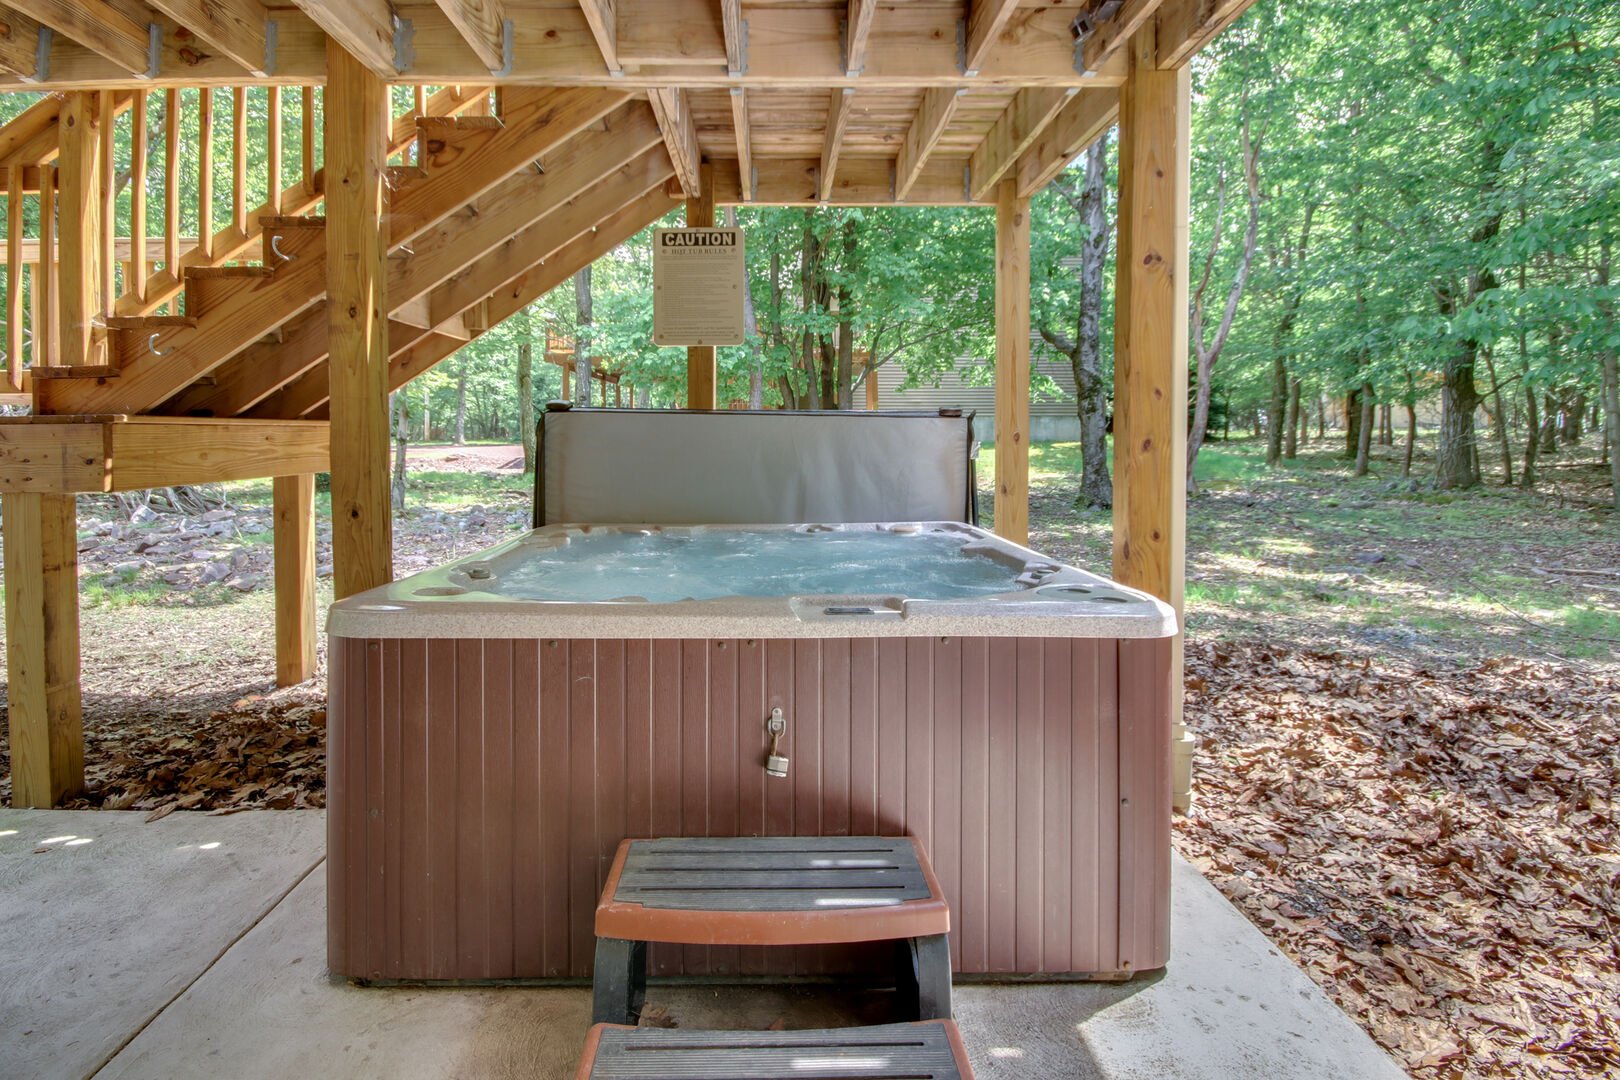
(1408, 709)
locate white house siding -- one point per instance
(1051, 418)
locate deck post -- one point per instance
(1012, 363)
(1150, 336)
(357, 126)
(42, 648)
(294, 502)
(79, 220)
(701, 374)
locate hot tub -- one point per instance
(499, 724)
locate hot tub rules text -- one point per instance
(698, 287)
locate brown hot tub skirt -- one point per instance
(478, 790)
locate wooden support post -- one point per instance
(79, 221)
(294, 501)
(42, 648)
(1012, 363)
(1150, 342)
(357, 126)
(701, 373)
(871, 382)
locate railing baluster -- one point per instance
(14, 276)
(239, 203)
(205, 172)
(45, 325)
(171, 184)
(273, 146)
(309, 139)
(136, 283)
(108, 267)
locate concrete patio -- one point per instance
(194, 946)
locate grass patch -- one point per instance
(119, 589)
(450, 490)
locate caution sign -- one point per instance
(698, 286)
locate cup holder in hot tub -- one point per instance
(1074, 590)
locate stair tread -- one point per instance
(464, 123)
(78, 371)
(214, 272)
(292, 221)
(930, 1050)
(771, 890)
(144, 322)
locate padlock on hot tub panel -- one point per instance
(776, 764)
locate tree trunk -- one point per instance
(1454, 460)
(1365, 429)
(582, 337)
(525, 389)
(1352, 422)
(1321, 419)
(1574, 415)
(1293, 422)
(1278, 416)
(1532, 442)
(1549, 427)
(1502, 437)
(427, 424)
(756, 370)
(846, 323)
(1611, 380)
(1411, 439)
(402, 438)
(461, 403)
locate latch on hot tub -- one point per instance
(776, 726)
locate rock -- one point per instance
(222, 514)
(131, 567)
(245, 583)
(216, 571)
(1370, 557)
(88, 542)
(324, 570)
(143, 514)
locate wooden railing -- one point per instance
(164, 203)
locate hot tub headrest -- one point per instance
(629, 466)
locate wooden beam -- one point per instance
(789, 46)
(1084, 120)
(680, 135)
(702, 375)
(731, 24)
(233, 28)
(42, 648)
(933, 117)
(1150, 330)
(857, 29)
(1108, 37)
(833, 141)
(482, 24)
(1186, 26)
(79, 220)
(357, 329)
(603, 21)
(986, 20)
(1012, 364)
(19, 44)
(364, 28)
(861, 181)
(745, 147)
(293, 498)
(1014, 131)
(99, 27)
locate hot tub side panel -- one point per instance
(479, 788)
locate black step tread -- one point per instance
(771, 873)
(885, 1052)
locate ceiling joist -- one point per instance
(366, 28)
(857, 29)
(602, 18)
(19, 44)
(1185, 26)
(833, 144)
(483, 25)
(1013, 132)
(986, 20)
(1106, 37)
(731, 22)
(99, 27)
(235, 28)
(933, 117)
(680, 136)
(745, 148)
(1084, 120)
